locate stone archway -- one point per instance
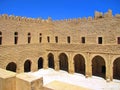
(51, 60)
(98, 66)
(11, 67)
(63, 62)
(116, 69)
(79, 64)
(27, 66)
(40, 63)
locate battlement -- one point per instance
(105, 15)
(24, 19)
(97, 15)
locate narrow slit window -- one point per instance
(48, 39)
(40, 38)
(83, 39)
(68, 39)
(29, 37)
(15, 37)
(56, 39)
(99, 40)
(0, 38)
(118, 40)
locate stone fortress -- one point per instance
(89, 46)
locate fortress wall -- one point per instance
(19, 54)
(108, 28)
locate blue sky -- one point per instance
(57, 9)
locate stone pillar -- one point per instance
(111, 68)
(34, 66)
(56, 61)
(88, 65)
(71, 64)
(111, 72)
(45, 62)
(108, 69)
(20, 68)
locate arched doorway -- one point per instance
(63, 62)
(11, 67)
(79, 64)
(116, 69)
(98, 66)
(50, 60)
(27, 66)
(40, 63)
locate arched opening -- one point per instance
(11, 67)
(116, 69)
(98, 66)
(63, 62)
(40, 63)
(50, 60)
(27, 66)
(79, 64)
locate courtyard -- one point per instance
(92, 83)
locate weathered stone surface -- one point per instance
(7, 80)
(49, 36)
(28, 82)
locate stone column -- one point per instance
(34, 64)
(88, 65)
(108, 69)
(20, 68)
(71, 63)
(56, 61)
(111, 68)
(45, 62)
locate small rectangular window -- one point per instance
(68, 39)
(48, 39)
(40, 39)
(29, 39)
(56, 39)
(16, 40)
(99, 40)
(83, 39)
(118, 40)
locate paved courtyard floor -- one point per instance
(62, 79)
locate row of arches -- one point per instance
(27, 65)
(98, 65)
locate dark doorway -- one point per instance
(27, 66)
(116, 69)
(79, 64)
(63, 62)
(98, 66)
(40, 63)
(50, 60)
(11, 67)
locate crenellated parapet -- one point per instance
(101, 15)
(24, 19)
(97, 15)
